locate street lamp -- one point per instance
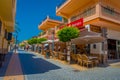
(53, 32)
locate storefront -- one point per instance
(113, 49)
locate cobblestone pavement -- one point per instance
(35, 67)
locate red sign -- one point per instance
(78, 23)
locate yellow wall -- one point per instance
(3, 42)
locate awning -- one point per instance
(50, 41)
(88, 39)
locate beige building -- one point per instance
(104, 14)
(7, 20)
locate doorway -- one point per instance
(118, 49)
(112, 50)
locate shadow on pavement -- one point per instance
(31, 64)
(5, 64)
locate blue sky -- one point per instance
(30, 13)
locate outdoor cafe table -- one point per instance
(92, 57)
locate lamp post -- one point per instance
(53, 38)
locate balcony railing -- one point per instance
(110, 12)
(52, 17)
(88, 12)
(61, 3)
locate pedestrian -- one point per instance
(27, 48)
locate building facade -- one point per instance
(7, 19)
(100, 13)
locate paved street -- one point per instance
(35, 67)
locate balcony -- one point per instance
(62, 2)
(110, 13)
(86, 13)
(44, 35)
(7, 13)
(48, 23)
(71, 7)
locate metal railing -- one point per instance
(86, 13)
(61, 3)
(110, 12)
(55, 18)
(52, 17)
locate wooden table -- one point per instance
(92, 57)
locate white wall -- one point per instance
(96, 50)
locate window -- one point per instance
(94, 46)
(118, 42)
(0, 26)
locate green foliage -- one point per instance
(40, 40)
(32, 41)
(22, 45)
(36, 40)
(68, 33)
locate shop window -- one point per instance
(0, 26)
(94, 46)
(118, 42)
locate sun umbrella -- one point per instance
(88, 39)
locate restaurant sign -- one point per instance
(78, 23)
(93, 28)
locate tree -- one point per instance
(32, 41)
(36, 40)
(40, 40)
(68, 33)
(22, 45)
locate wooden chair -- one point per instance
(55, 54)
(86, 61)
(61, 56)
(79, 59)
(74, 57)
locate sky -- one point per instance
(29, 13)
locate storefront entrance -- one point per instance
(118, 49)
(112, 50)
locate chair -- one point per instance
(55, 54)
(97, 60)
(86, 61)
(74, 57)
(79, 59)
(61, 56)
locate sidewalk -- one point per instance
(13, 70)
(5, 65)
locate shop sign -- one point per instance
(93, 28)
(78, 23)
